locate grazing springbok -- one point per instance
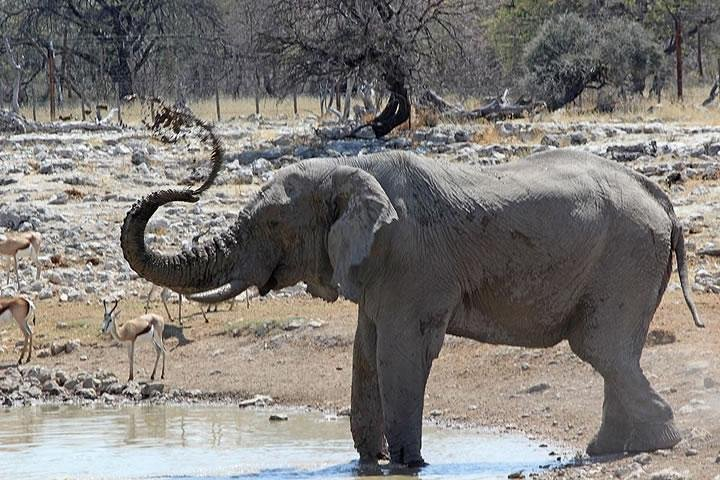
(165, 296)
(148, 327)
(20, 309)
(25, 244)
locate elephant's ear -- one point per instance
(361, 209)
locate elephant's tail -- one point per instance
(678, 246)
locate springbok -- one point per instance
(148, 327)
(26, 244)
(21, 309)
(165, 294)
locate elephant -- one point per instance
(561, 245)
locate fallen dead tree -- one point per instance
(494, 109)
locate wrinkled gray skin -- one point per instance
(560, 246)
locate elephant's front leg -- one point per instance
(405, 354)
(366, 421)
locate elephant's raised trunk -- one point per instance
(206, 267)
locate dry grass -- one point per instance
(689, 111)
(74, 193)
(229, 108)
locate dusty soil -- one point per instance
(249, 351)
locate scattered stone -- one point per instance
(83, 358)
(550, 141)
(539, 388)
(524, 366)
(256, 401)
(518, 474)
(71, 346)
(278, 417)
(660, 337)
(33, 392)
(345, 412)
(87, 393)
(152, 389)
(630, 471)
(691, 452)
(710, 249)
(668, 474)
(132, 390)
(643, 458)
(60, 377)
(57, 348)
(43, 353)
(436, 413)
(52, 388)
(260, 167)
(293, 325)
(138, 157)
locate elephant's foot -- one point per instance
(605, 443)
(371, 457)
(643, 437)
(647, 437)
(407, 456)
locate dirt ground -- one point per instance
(258, 351)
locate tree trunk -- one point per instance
(217, 103)
(51, 80)
(678, 57)
(395, 113)
(338, 107)
(120, 72)
(15, 64)
(348, 97)
(257, 92)
(119, 101)
(699, 52)
(34, 103)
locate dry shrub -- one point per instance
(425, 118)
(58, 260)
(94, 261)
(74, 193)
(489, 135)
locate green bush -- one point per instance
(569, 53)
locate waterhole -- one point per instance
(204, 442)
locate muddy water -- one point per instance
(46, 442)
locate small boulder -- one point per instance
(152, 389)
(52, 388)
(668, 474)
(87, 393)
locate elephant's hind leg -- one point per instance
(366, 420)
(615, 428)
(635, 418)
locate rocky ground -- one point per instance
(75, 188)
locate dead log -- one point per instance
(431, 100)
(495, 109)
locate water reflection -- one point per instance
(226, 442)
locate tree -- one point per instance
(390, 40)
(562, 60)
(570, 54)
